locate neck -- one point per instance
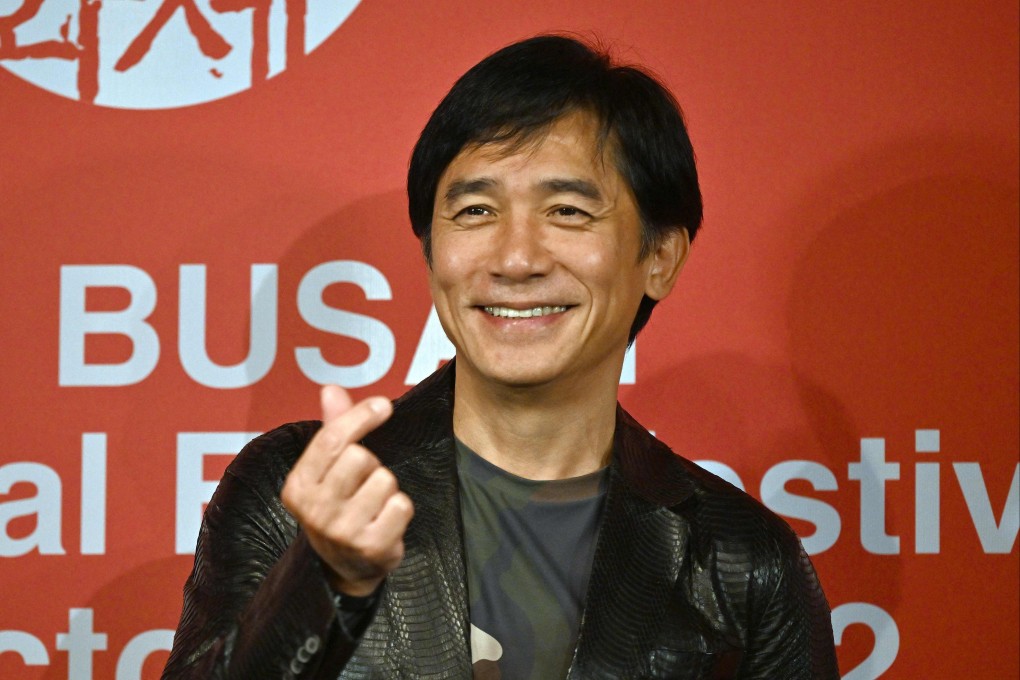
(537, 432)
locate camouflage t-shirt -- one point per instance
(529, 548)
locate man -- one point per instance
(505, 518)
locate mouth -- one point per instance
(530, 313)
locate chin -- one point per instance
(520, 378)
(517, 372)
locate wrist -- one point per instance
(354, 604)
(351, 588)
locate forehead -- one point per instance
(571, 145)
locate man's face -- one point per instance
(535, 272)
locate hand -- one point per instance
(348, 504)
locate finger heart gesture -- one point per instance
(346, 501)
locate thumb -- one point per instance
(335, 402)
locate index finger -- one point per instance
(337, 434)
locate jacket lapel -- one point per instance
(632, 577)
(425, 600)
(637, 559)
(430, 591)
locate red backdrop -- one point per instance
(844, 340)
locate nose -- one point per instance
(519, 250)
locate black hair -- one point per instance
(518, 92)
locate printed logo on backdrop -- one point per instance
(158, 54)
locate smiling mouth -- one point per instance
(508, 313)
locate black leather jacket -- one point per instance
(692, 578)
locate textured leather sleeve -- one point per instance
(789, 632)
(257, 604)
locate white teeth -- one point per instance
(508, 313)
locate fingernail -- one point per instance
(379, 405)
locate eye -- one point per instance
(474, 215)
(473, 211)
(569, 214)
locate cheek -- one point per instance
(456, 259)
(446, 273)
(616, 287)
(451, 275)
(603, 270)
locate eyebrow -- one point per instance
(463, 187)
(580, 187)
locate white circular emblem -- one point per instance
(159, 54)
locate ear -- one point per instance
(665, 263)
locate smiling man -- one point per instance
(505, 518)
(537, 275)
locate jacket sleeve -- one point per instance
(790, 629)
(257, 604)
